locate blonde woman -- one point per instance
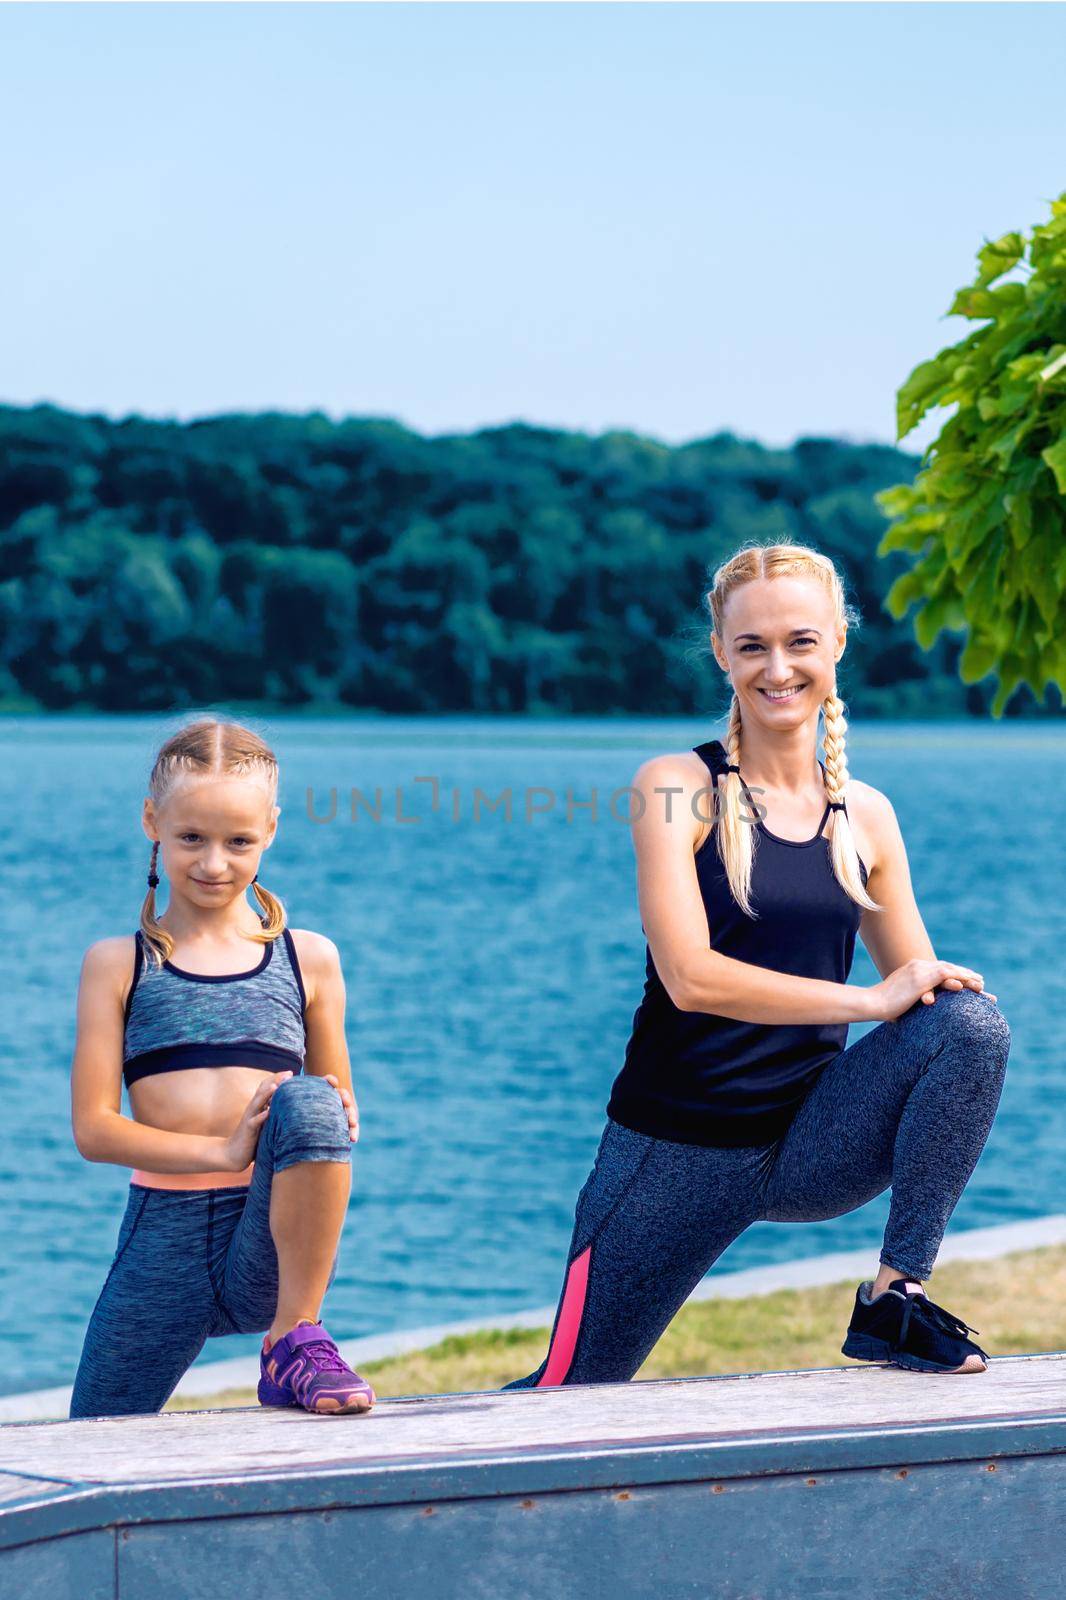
(739, 1099)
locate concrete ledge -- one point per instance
(242, 1372)
(743, 1485)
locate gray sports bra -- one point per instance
(177, 1019)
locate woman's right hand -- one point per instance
(239, 1148)
(917, 980)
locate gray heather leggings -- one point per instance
(193, 1263)
(910, 1105)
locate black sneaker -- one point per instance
(909, 1331)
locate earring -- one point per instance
(153, 876)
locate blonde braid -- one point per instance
(842, 850)
(157, 940)
(735, 844)
(273, 907)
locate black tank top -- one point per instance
(698, 1078)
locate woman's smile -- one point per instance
(784, 694)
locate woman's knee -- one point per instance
(977, 1021)
(977, 1015)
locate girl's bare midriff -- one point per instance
(208, 1101)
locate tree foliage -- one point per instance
(985, 516)
(299, 561)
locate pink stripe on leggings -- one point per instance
(561, 1353)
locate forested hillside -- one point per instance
(296, 561)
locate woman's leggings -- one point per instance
(194, 1263)
(910, 1105)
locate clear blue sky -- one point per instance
(675, 218)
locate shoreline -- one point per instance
(241, 1373)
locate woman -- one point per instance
(738, 1101)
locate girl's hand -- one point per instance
(917, 980)
(350, 1106)
(239, 1148)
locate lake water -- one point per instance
(493, 968)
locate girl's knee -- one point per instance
(308, 1111)
(305, 1096)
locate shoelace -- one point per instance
(325, 1355)
(927, 1311)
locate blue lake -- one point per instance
(493, 967)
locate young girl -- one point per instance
(228, 1028)
(738, 1100)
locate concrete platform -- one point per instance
(745, 1488)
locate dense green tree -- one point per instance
(293, 559)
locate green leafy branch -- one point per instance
(986, 515)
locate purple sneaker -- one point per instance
(304, 1368)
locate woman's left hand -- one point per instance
(350, 1106)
